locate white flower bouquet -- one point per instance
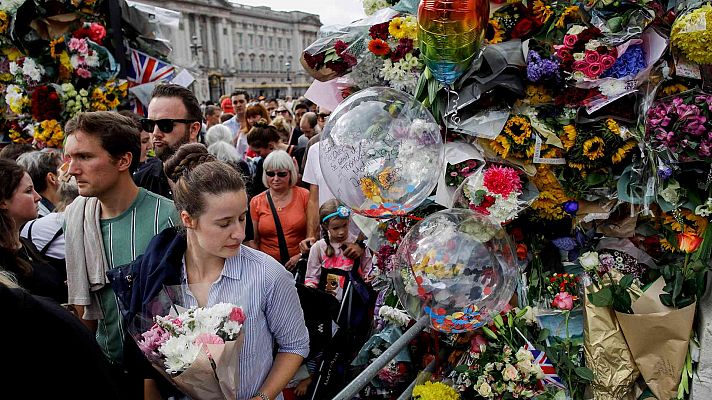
(196, 348)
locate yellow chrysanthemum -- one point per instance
(568, 138)
(435, 390)
(594, 148)
(623, 151)
(612, 126)
(694, 42)
(518, 129)
(410, 27)
(396, 28)
(569, 11)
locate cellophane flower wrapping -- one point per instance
(338, 49)
(196, 348)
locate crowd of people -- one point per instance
(226, 200)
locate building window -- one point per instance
(239, 38)
(289, 44)
(279, 42)
(261, 41)
(251, 39)
(269, 42)
(262, 63)
(180, 26)
(252, 63)
(225, 31)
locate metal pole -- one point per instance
(367, 375)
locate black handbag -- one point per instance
(283, 251)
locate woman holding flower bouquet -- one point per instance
(207, 259)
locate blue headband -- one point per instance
(341, 212)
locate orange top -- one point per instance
(293, 219)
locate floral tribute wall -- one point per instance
(54, 63)
(583, 134)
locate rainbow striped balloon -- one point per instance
(451, 34)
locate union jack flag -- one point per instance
(146, 69)
(550, 376)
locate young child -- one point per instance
(327, 253)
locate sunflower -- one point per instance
(568, 138)
(542, 12)
(387, 177)
(379, 47)
(570, 11)
(53, 46)
(370, 190)
(613, 126)
(674, 89)
(4, 21)
(494, 33)
(519, 129)
(623, 151)
(396, 28)
(594, 148)
(538, 94)
(501, 146)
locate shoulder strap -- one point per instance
(283, 252)
(290, 149)
(29, 230)
(56, 235)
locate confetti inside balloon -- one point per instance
(451, 35)
(456, 266)
(381, 152)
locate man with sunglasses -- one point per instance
(174, 119)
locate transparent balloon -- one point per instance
(457, 267)
(381, 152)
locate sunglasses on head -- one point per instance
(164, 125)
(281, 174)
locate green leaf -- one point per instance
(677, 289)
(602, 298)
(433, 87)
(666, 299)
(498, 321)
(626, 281)
(543, 335)
(585, 373)
(422, 84)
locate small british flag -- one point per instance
(146, 69)
(550, 376)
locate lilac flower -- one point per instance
(540, 69)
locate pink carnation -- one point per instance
(83, 73)
(237, 315)
(502, 180)
(78, 45)
(208, 338)
(153, 339)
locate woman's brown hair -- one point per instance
(197, 172)
(254, 110)
(11, 174)
(262, 134)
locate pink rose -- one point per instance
(593, 70)
(97, 32)
(563, 301)
(607, 61)
(570, 41)
(592, 57)
(237, 315)
(580, 65)
(83, 73)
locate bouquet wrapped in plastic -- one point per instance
(197, 348)
(337, 52)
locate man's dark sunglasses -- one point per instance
(281, 174)
(165, 125)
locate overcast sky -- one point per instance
(330, 11)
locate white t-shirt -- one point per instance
(43, 230)
(313, 175)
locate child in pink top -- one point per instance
(327, 253)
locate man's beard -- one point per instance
(164, 153)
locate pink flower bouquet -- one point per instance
(197, 349)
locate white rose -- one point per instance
(579, 56)
(524, 354)
(510, 373)
(484, 389)
(589, 260)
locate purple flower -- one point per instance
(541, 69)
(565, 243)
(664, 172)
(571, 207)
(695, 125)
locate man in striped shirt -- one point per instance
(103, 149)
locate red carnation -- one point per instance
(314, 61)
(340, 46)
(379, 31)
(522, 28)
(392, 235)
